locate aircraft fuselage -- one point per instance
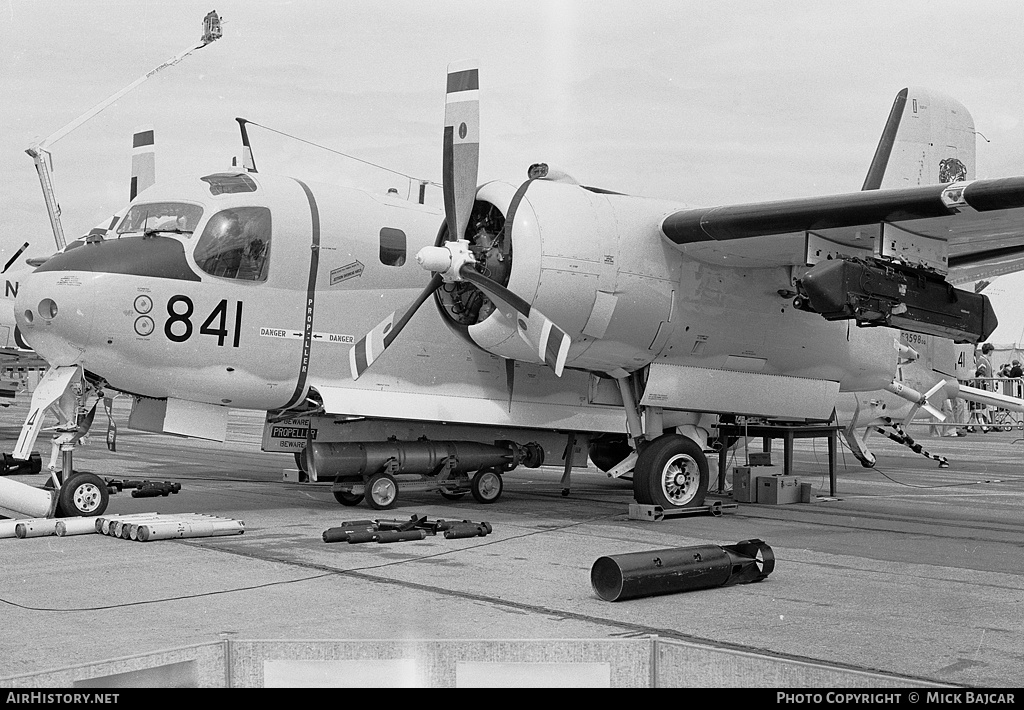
(336, 260)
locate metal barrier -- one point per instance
(996, 417)
(644, 662)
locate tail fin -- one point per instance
(143, 160)
(928, 139)
(143, 175)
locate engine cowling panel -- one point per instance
(560, 247)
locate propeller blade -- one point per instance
(922, 402)
(550, 342)
(461, 149)
(372, 345)
(928, 407)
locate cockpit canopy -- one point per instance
(235, 244)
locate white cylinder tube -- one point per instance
(189, 528)
(75, 526)
(9, 528)
(26, 499)
(40, 527)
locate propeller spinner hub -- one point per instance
(446, 260)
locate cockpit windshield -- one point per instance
(176, 217)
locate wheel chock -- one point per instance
(654, 513)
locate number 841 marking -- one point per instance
(178, 328)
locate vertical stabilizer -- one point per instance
(928, 139)
(143, 160)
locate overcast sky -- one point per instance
(703, 102)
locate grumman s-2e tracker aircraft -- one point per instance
(560, 314)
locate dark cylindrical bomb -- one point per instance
(421, 456)
(465, 530)
(341, 534)
(11, 466)
(150, 492)
(354, 524)
(400, 535)
(359, 537)
(680, 569)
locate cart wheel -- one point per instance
(83, 494)
(381, 491)
(486, 485)
(347, 498)
(452, 494)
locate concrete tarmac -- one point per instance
(911, 570)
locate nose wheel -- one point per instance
(82, 494)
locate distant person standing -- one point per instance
(983, 372)
(983, 362)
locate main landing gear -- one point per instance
(671, 471)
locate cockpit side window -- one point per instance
(175, 217)
(236, 244)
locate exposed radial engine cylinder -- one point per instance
(345, 459)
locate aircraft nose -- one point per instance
(51, 311)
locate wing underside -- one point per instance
(968, 230)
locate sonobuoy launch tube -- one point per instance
(189, 528)
(28, 500)
(40, 527)
(9, 528)
(75, 526)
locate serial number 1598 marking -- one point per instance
(178, 327)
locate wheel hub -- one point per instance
(384, 491)
(680, 479)
(87, 497)
(488, 484)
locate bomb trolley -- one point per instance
(377, 471)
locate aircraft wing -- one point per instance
(975, 229)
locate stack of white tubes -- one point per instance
(139, 526)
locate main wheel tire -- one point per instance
(82, 495)
(672, 472)
(486, 485)
(381, 491)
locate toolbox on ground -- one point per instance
(744, 481)
(778, 490)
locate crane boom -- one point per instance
(40, 151)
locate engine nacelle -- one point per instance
(593, 262)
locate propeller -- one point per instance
(920, 401)
(453, 261)
(924, 404)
